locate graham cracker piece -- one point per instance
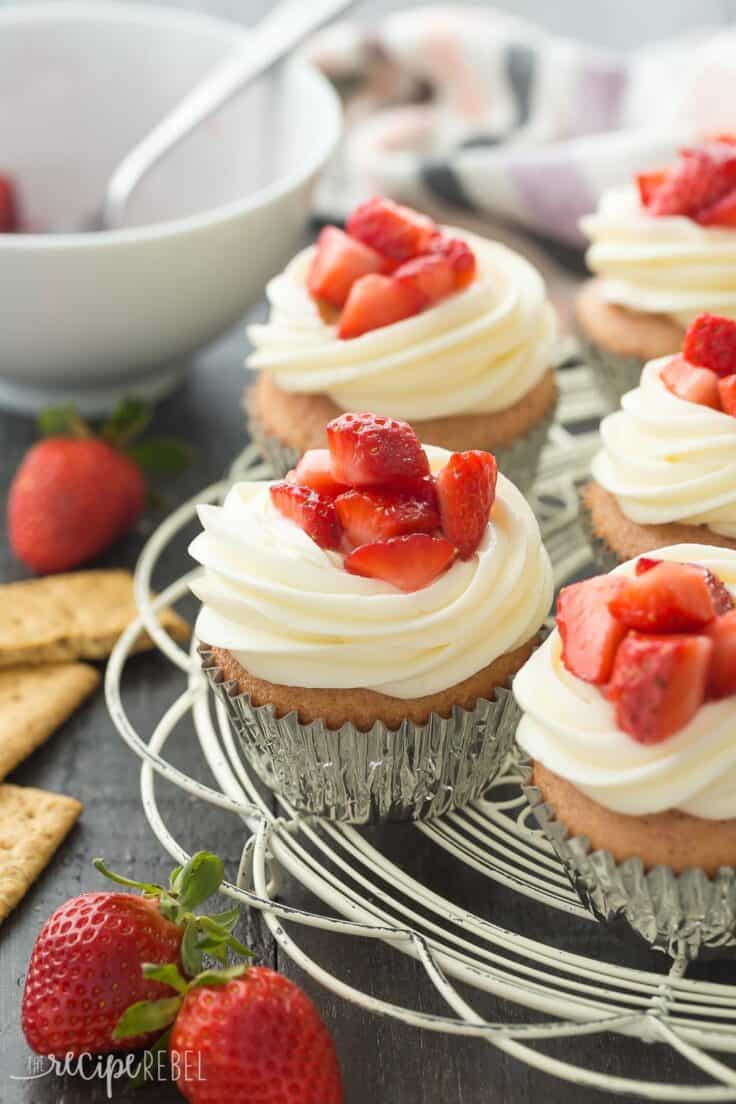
(34, 701)
(33, 824)
(74, 616)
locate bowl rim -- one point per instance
(123, 11)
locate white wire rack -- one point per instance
(369, 896)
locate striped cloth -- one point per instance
(478, 109)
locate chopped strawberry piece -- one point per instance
(722, 601)
(710, 342)
(394, 231)
(720, 213)
(589, 632)
(466, 489)
(409, 563)
(460, 256)
(695, 385)
(9, 219)
(368, 516)
(338, 262)
(701, 176)
(658, 683)
(727, 392)
(431, 276)
(646, 563)
(669, 598)
(312, 512)
(722, 673)
(376, 301)
(314, 470)
(648, 184)
(368, 450)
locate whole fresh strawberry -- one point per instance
(75, 494)
(86, 964)
(241, 1035)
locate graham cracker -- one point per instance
(33, 824)
(75, 616)
(34, 701)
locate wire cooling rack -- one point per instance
(369, 896)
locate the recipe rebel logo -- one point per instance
(153, 1066)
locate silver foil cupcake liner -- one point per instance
(411, 773)
(688, 915)
(603, 555)
(614, 374)
(518, 462)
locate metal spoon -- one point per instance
(288, 24)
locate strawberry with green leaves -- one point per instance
(75, 494)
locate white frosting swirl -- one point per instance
(570, 727)
(666, 459)
(291, 614)
(479, 350)
(661, 265)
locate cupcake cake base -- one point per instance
(286, 424)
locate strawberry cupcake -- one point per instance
(628, 725)
(362, 619)
(437, 326)
(663, 251)
(667, 471)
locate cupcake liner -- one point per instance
(690, 914)
(614, 374)
(603, 555)
(411, 773)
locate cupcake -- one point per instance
(663, 251)
(436, 326)
(629, 721)
(362, 619)
(667, 471)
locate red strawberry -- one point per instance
(257, 1038)
(695, 385)
(727, 392)
(646, 563)
(394, 231)
(368, 516)
(648, 185)
(701, 176)
(658, 683)
(86, 964)
(409, 563)
(314, 470)
(722, 673)
(720, 213)
(669, 598)
(722, 601)
(9, 220)
(460, 256)
(466, 490)
(375, 302)
(431, 276)
(312, 512)
(338, 262)
(590, 633)
(368, 450)
(710, 342)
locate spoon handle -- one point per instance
(288, 24)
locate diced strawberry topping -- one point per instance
(368, 450)
(368, 516)
(722, 673)
(658, 683)
(669, 598)
(376, 301)
(466, 489)
(338, 262)
(460, 256)
(722, 601)
(727, 392)
(720, 213)
(646, 563)
(409, 562)
(648, 183)
(710, 342)
(394, 231)
(314, 470)
(695, 385)
(431, 276)
(700, 186)
(590, 633)
(9, 220)
(312, 512)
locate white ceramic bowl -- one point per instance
(90, 317)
